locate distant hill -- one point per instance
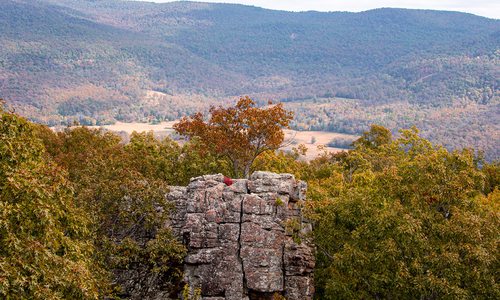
(101, 61)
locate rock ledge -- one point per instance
(242, 239)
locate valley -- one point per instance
(316, 142)
(102, 62)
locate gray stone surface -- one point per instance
(238, 245)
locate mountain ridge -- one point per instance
(96, 61)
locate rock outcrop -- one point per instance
(243, 238)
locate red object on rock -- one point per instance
(228, 181)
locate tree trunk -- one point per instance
(247, 171)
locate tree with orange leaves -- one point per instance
(239, 133)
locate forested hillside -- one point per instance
(102, 61)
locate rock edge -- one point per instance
(243, 239)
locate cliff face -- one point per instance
(243, 239)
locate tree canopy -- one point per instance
(46, 247)
(397, 217)
(240, 133)
(400, 218)
(126, 201)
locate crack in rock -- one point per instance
(235, 235)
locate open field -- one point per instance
(311, 139)
(159, 129)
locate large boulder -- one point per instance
(239, 237)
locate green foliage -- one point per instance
(168, 161)
(404, 219)
(187, 295)
(281, 162)
(376, 137)
(124, 188)
(401, 218)
(396, 218)
(492, 173)
(293, 228)
(160, 256)
(277, 296)
(46, 242)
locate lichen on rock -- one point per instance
(238, 245)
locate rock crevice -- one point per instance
(242, 239)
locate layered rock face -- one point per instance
(243, 239)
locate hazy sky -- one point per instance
(488, 8)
